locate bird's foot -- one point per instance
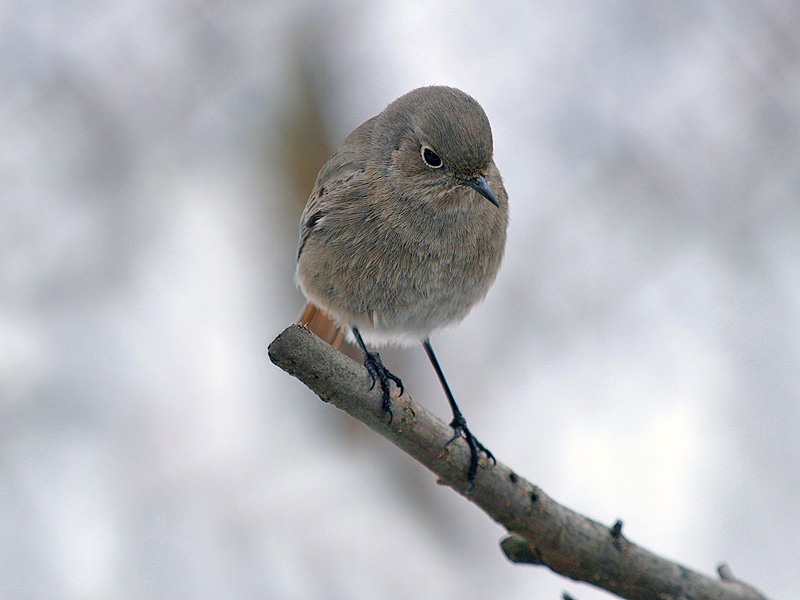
(460, 429)
(378, 372)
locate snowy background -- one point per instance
(638, 357)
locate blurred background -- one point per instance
(638, 356)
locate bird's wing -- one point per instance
(340, 171)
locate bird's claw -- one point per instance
(460, 429)
(378, 372)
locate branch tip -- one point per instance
(518, 549)
(725, 572)
(616, 529)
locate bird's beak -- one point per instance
(479, 185)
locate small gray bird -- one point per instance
(405, 229)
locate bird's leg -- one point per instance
(459, 423)
(377, 372)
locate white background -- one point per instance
(638, 357)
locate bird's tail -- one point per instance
(321, 324)
(328, 330)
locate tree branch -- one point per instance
(542, 531)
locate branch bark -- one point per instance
(542, 532)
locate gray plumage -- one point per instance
(393, 243)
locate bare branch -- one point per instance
(542, 531)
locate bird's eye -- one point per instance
(430, 157)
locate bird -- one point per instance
(404, 232)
